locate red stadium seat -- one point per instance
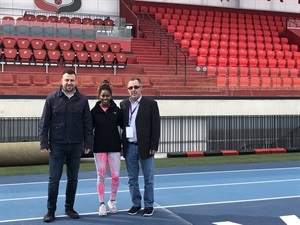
(37, 43)
(211, 71)
(54, 56)
(221, 81)
(98, 22)
(82, 57)
(213, 52)
(23, 43)
(201, 60)
(233, 71)
(121, 59)
(264, 72)
(185, 44)
(284, 72)
(10, 54)
(244, 72)
(9, 42)
(222, 71)
(23, 79)
(223, 52)
(266, 82)
(68, 57)
(65, 45)
(243, 61)
(87, 21)
(109, 58)
(212, 61)
(274, 72)
(195, 44)
(51, 44)
(96, 57)
(244, 82)
(287, 82)
(77, 46)
(86, 81)
(25, 55)
(39, 55)
(6, 79)
(272, 63)
(281, 63)
(222, 61)
(115, 47)
(40, 80)
(103, 47)
(177, 36)
(90, 46)
(293, 72)
(255, 82)
(193, 52)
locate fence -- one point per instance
(191, 133)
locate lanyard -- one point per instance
(132, 111)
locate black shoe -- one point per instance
(134, 210)
(49, 217)
(72, 213)
(148, 211)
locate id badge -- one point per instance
(129, 132)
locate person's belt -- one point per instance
(132, 143)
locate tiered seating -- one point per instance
(55, 51)
(236, 40)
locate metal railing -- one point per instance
(192, 133)
(164, 40)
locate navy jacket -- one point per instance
(66, 121)
(147, 126)
(106, 133)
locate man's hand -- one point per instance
(87, 151)
(45, 150)
(152, 152)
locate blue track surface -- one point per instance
(250, 194)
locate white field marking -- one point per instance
(160, 175)
(291, 220)
(172, 206)
(173, 214)
(166, 188)
(230, 202)
(56, 216)
(226, 223)
(229, 171)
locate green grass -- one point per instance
(88, 165)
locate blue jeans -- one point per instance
(60, 154)
(132, 164)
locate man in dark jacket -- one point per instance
(65, 129)
(141, 133)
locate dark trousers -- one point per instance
(60, 154)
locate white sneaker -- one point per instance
(102, 210)
(112, 205)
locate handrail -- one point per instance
(167, 46)
(293, 23)
(163, 33)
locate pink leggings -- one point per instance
(114, 161)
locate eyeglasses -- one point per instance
(135, 87)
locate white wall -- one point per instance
(111, 7)
(101, 7)
(273, 5)
(34, 107)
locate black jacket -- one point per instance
(66, 120)
(147, 126)
(106, 133)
